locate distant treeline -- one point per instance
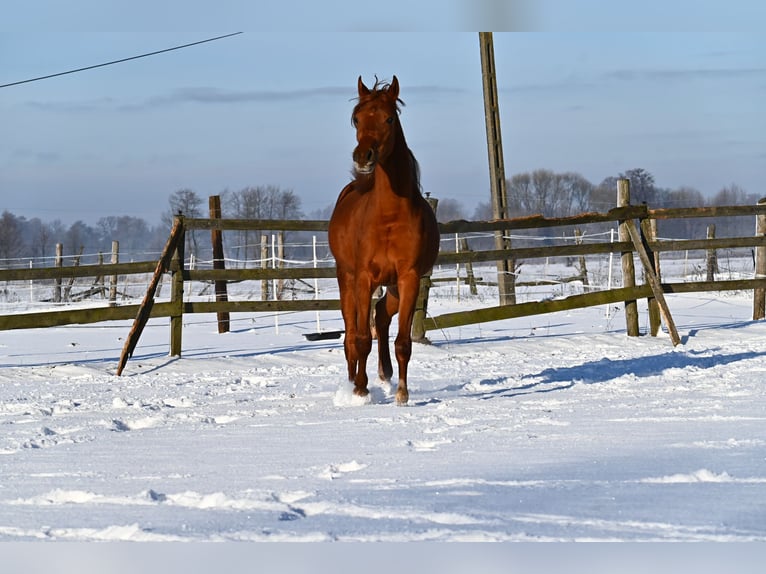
(542, 191)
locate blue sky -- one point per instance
(583, 90)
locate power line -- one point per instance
(119, 61)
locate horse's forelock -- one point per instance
(378, 90)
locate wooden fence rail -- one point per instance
(180, 273)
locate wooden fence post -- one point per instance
(759, 294)
(99, 282)
(581, 260)
(70, 283)
(418, 331)
(653, 280)
(58, 262)
(647, 234)
(280, 263)
(711, 260)
(169, 259)
(628, 269)
(469, 274)
(177, 292)
(113, 279)
(264, 265)
(224, 319)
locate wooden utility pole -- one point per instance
(506, 280)
(759, 293)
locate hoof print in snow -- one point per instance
(119, 426)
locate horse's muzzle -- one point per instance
(365, 159)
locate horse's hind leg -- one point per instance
(385, 308)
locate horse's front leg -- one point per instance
(363, 338)
(348, 310)
(408, 286)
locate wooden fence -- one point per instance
(640, 241)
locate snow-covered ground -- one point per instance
(556, 427)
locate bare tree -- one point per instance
(450, 210)
(187, 203)
(10, 236)
(260, 202)
(548, 193)
(687, 228)
(733, 226)
(642, 189)
(482, 212)
(577, 193)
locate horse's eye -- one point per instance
(355, 120)
(390, 120)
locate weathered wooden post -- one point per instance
(99, 282)
(647, 235)
(264, 265)
(70, 283)
(712, 257)
(506, 279)
(279, 264)
(469, 274)
(174, 243)
(759, 294)
(216, 235)
(418, 331)
(113, 279)
(581, 261)
(58, 262)
(177, 291)
(628, 269)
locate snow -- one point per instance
(550, 428)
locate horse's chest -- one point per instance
(384, 250)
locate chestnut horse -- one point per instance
(382, 233)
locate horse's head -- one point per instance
(376, 120)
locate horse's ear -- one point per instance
(361, 88)
(393, 89)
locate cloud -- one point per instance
(38, 157)
(687, 74)
(74, 107)
(212, 96)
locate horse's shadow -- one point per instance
(603, 370)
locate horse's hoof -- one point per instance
(402, 399)
(361, 392)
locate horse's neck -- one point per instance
(400, 172)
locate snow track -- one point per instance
(550, 428)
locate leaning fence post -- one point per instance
(759, 293)
(170, 251)
(628, 269)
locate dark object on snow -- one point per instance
(324, 335)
